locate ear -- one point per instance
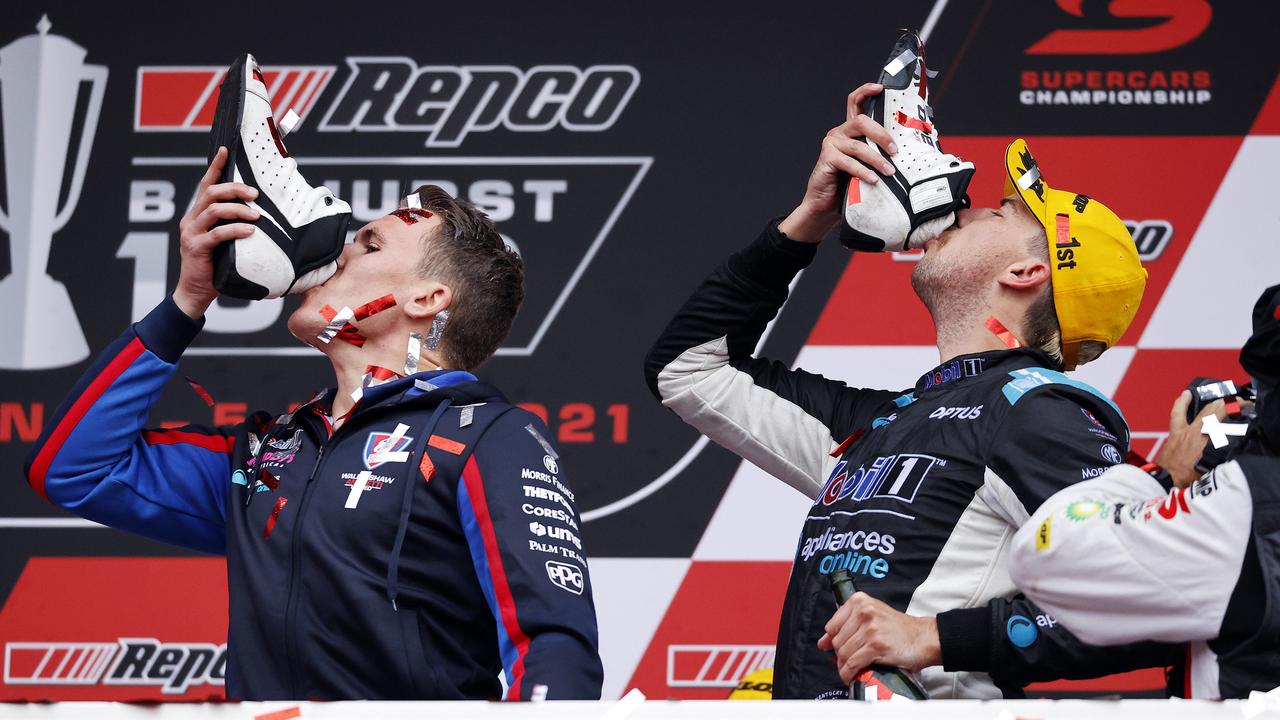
(428, 298)
(1026, 274)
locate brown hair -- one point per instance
(487, 278)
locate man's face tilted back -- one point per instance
(383, 259)
(960, 265)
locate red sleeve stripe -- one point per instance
(216, 443)
(501, 590)
(109, 374)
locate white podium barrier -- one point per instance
(1258, 707)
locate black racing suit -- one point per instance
(917, 493)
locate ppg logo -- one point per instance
(566, 576)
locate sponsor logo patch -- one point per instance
(566, 577)
(898, 477)
(1081, 510)
(379, 445)
(1021, 631)
(956, 413)
(173, 667)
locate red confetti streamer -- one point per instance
(410, 216)
(275, 515)
(427, 468)
(373, 307)
(286, 714)
(443, 443)
(1233, 408)
(204, 394)
(853, 437)
(914, 123)
(351, 335)
(999, 330)
(270, 480)
(381, 374)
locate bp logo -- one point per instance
(1084, 509)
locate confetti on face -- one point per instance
(411, 216)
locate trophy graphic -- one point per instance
(40, 77)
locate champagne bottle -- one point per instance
(868, 682)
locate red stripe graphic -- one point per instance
(200, 390)
(181, 99)
(113, 370)
(319, 78)
(502, 591)
(216, 443)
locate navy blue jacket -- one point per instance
(426, 545)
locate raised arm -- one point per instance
(785, 421)
(95, 459)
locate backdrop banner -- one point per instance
(624, 150)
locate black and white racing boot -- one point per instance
(302, 229)
(915, 204)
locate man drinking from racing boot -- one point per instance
(378, 538)
(917, 493)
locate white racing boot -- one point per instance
(302, 230)
(915, 204)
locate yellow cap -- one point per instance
(755, 686)
(1097, 277)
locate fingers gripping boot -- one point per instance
(915, 204)
(301, 229)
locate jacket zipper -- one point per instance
(295, 552)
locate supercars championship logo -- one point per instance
(1086, 62)
(555, 211)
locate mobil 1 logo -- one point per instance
(556, 212)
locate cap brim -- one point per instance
(1022, 177)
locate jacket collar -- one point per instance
(975, 364)
(426, 389)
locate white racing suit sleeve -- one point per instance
(1117, 561)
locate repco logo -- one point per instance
(174, 667)
(1180, 22)
(394, 94)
